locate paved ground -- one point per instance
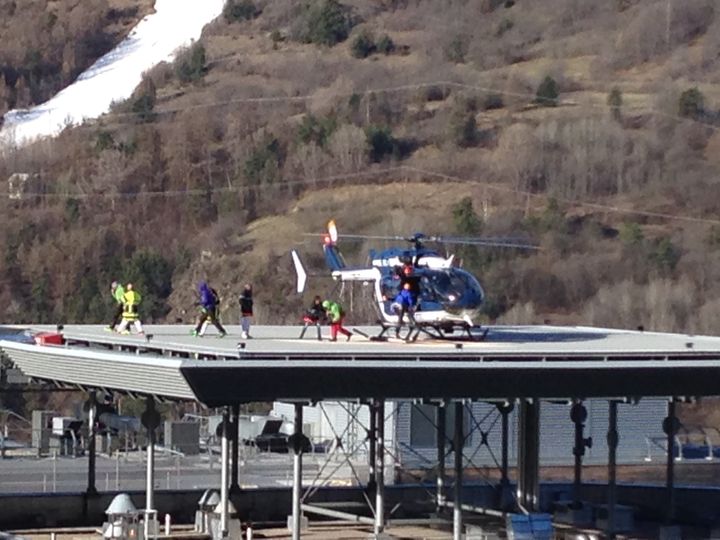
(66, 474)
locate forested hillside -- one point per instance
(592, 127)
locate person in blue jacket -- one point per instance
(404, 303)
(209, 301)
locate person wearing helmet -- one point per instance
(117, 291)
(209, 301)
(315, 315)
(246, 310)
(404, 303)
(130, 315)
(336, 314)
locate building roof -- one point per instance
(512, 362)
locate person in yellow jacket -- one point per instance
(131, 302)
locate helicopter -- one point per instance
(447, 297)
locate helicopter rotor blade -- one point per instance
(507, 242)
(359, 236)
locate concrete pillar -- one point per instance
(380, 468)
(297, 472)
(458, 440)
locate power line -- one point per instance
(347, 178)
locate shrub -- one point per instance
(504, 26)
(326, 22)
(242, 10)
(263, 165)
(317, 130)
(614, 101)
(665, 255)
(457, 49)
(381, 142)
(463, 129)
(385, 45)
(190, 64)
(143, 100)
(547, 93)
(631, 234)
(466, 220)
(363, 45)
(493, 101)
(691, 103)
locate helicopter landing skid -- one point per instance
(441, 332)
(410, 336)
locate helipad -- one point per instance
(512, 361)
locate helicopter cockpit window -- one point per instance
(452, 285)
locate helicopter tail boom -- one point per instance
(333, 257)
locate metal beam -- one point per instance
(612, 441)
(670, 428)
(578, 414)
(372, 442)
(235, 438)
(441, 446)
(150, 418)
(528, 488)
(458, 443)
(297, 472)
(224, 470)
(337, 514)
(92, 432)
(380, 468)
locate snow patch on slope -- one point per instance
(156, 38)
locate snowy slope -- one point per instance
(113, 77)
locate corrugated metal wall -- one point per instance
(414, 445)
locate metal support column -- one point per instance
(224, 470)
(380, 468)
(235, 438)
(150, 418)
(528, 488)
(372, 441)
(297, 472)
(612, 442)
(670, 427)
(441, 446)
(578, 414)
(458, 440)
(504, 492)
(92, 433)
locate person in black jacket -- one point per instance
(246, 310)
(315, 315)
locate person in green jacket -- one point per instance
(336, 314)
(117, 291)
(130, 315)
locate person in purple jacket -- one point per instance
(209, 301)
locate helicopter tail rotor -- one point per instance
(300, 271)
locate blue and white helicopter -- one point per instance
(448, 298)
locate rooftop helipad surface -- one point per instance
(512, 361)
